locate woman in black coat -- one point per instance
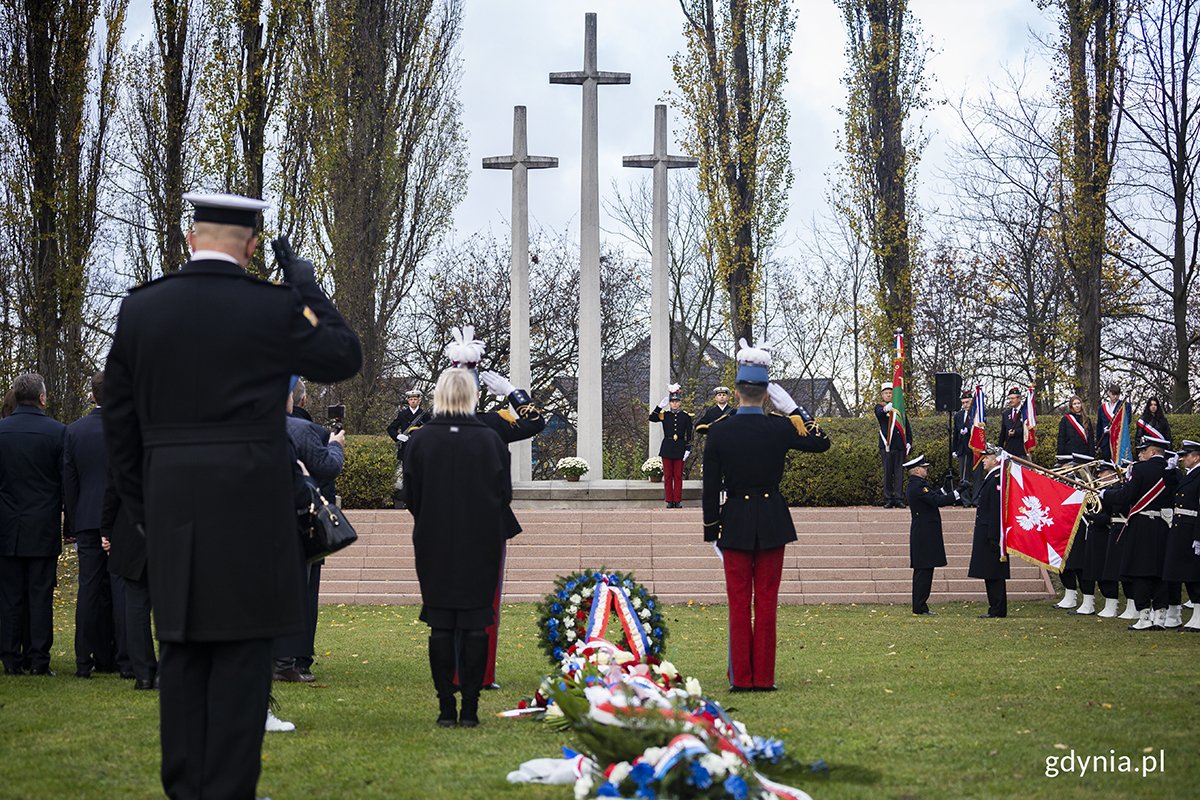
(458, 489)
(1153, 422)
(985, 544)
(1075, 433)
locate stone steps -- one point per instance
(843, 555)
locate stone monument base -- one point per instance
(598, 494)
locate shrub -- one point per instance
(369, 476)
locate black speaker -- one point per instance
(947, 390)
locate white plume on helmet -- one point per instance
(464, 349)
(760, 355)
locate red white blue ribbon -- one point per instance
(613, 597)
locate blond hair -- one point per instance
(456, 394)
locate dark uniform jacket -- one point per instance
(884, 418)
(711, 415)
(1012, 431)
(677, 431)
(194, 419)
(127, 544)
(985, 541)
(405, 419)
(745, 452)
(925, 545)
(1104, 422)
(1182, 563)
(1118, 518)
(457, 487)
(85, 472)
(961, 437)
(1146, 533)
(31, 507)
(1069, 440)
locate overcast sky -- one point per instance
(511, 46)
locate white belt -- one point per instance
(1187, 512)
(1118, 519)
(1155, 514)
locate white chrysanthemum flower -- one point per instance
(553, 710)
(715, 765)
(693, 687)
(644, 613)
(569, 622)
(576, 599)
(667, 669)
(637, 602)
(571, 636)
(587, 591)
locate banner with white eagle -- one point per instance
(1038, 515)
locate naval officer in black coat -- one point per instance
(1182, 563)
(409, 415)
(745, 453)
(987, 562)
(200, 455)
(719, 410)
(926, 548)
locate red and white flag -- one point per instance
(1039, 516)
(1030, 422)
(978, 440)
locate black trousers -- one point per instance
(212, 710)
(968, 477)
(893, 474)
(1070, 578)
(1109, 590)
(95, 632)
(922, 584)
(997, 595)
(1149, 593)
(139, 642)
(27, 593)
(305, 659)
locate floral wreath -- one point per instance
(581, 604)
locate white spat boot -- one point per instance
(1131, 610)
(1088, 606)
(1174, 617)
(1068, 600)
(1110, 608)
(1143, 623)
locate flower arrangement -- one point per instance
(572, 466)
(653, 467)
(580, 607)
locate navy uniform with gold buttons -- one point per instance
(676, 444)
(194, 421)
(719, 410)
(746, 452)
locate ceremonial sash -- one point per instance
(1148, 497)
(614, 598)
(1078, 426)
(1150, 429)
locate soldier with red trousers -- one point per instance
(745, 452)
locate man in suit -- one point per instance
(126, 548)
(1182, 563)
(31, 452)
(894, 445)
(1012, 425)
(719, 410)
(987, 562)
(745, 453)
(85, 474)
(926, 548)
(407, 416)
(960, 441)
(209, 480)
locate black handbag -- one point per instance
(328, 529)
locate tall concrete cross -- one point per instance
(660, 316)
(590, 433)
(520, 162)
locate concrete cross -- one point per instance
(590, 432)
(520, 162)
(660, 316)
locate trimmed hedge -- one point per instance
(369, 477)
(850, 472)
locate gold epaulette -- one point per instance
(796, 421)
(710, 524)
(529, 411)
(508, 416)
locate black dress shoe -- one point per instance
(13, 670)
(49, 673)
(992, 616)
(83, 673)
(145, 685)
(737, 689)
(771, 688)
(925, 613)
(491, 687)
(292, 675)
(127, 675)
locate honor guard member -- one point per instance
(720, 410)
(1086, 559)
(408, 417)
(745, 452)
(1182, 564)
(676, 443)
(1012, 425)
(519, 420)
(987, 561)
(1107, 417)
(926, 549)
(961, 450)
(1118, 517)
(1099, 537)
(1150, 489)
(200, 458)
(893, 447)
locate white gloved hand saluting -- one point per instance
(665, 402)
(780, 398)
(497, 384)
(686, 453)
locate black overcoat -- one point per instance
(85, 472)
(1069, 440)
(677, 432)
(985, 542)
(925, 545)
(960, 438)
(127, 544)
(1012, 432)
(1095, 545)
(745, 454)
(1117, 520)
(457, 487)
(898, 441)
(194, 419)
(1181, 562)
(1143, 555)
(1104, 423)
(31, 500)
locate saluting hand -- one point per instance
(497, 384)
(296, 270)
(780, 398)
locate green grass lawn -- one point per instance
(897, 706)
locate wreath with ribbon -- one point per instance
(580, 608)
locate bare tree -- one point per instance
(53, 155)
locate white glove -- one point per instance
(497, 384)
(888, 408)
(957, 496)
(907, 448)
(686, 453)
(954, 455)
(666, 401)
(780, 398)
(402, 437)
(1173, 462)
